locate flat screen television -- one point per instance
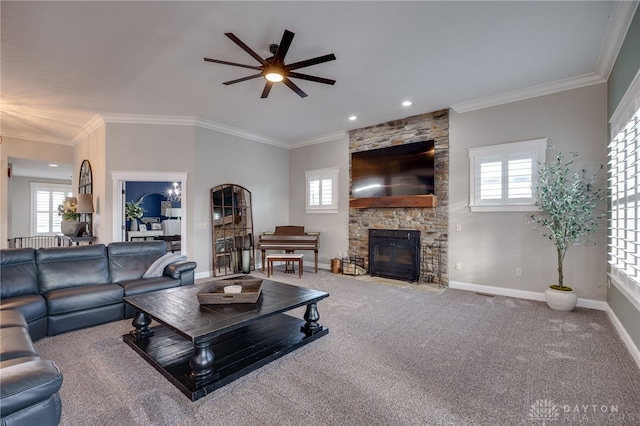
(398, 170)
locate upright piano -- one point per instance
(289, 239)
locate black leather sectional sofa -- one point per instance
(50, 291)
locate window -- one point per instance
(502, 176)
(45, 199)
(623, 183)
(322, 190)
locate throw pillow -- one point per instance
(157, 267)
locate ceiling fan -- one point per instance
(273, 69)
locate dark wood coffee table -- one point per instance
(200, 348)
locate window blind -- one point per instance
(624, 213)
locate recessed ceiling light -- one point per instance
(53, 165)
(352, 117)
(406, 103)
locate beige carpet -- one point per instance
(428, 287)
(393, 356)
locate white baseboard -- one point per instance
(633, 349)
(523, 294)
(531, 295)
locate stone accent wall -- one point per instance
(432, 222)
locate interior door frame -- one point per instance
(119, 180)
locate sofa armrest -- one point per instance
(28, 383)
(178, 269)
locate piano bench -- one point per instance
(284, 257)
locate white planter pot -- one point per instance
(561, 300)
(68, 227)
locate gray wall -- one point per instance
(262, 169)
(492, 245)
(145, 148)
(209, 158)
(333, 228)
(626, 67)
(20, 148)
(19, 208)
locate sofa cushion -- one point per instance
(65, 267)
(83, 298)
(130, 260)
(157, 267)
(29, 383)
(32, 306)
(15, 343)
(11, 318)
(19, 272)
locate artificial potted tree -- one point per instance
(568, 202)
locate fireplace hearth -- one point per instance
(394, 253)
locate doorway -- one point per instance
(120, 180)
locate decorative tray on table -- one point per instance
(241, 290)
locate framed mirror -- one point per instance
(85, 198)
(232, 230)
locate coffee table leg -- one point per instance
(201, 362)
(311, 316)
(141, 322)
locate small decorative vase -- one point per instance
(559, 300)
(68, 227)
(133, 226)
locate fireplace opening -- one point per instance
(394, 253)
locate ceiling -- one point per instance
(65, 62)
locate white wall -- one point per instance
(492, 245)
(333, 228)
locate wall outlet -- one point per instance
(458, 227)
(518, 272)
(458, 265)
(201, 226)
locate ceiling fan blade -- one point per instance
(312, 78)
(283, 47)
(242, 79)
(267, 89)
(291, 85)
(246, 48)
(218, 61)
(313, 61)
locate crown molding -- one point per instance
(234, 131)
(88, 128)
(322, 139)
(35, 137)
(530, 92)
(172, 120)
(621, 17)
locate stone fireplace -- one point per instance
(431, 222)
(394, 253)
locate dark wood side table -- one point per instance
(76, 241)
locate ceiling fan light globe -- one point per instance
(274, 76)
